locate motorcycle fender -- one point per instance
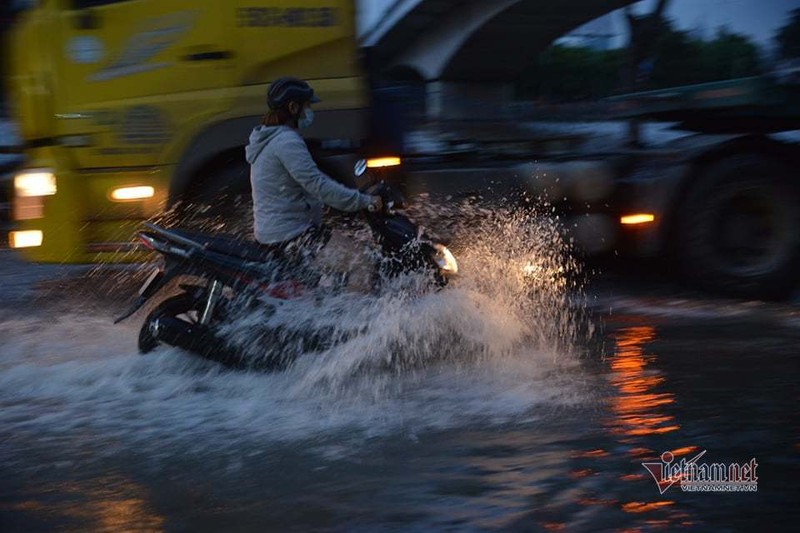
(157, 279)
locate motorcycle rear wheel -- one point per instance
(182, 306)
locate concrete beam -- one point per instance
(476, 40)
(434, 49)
(393, 15)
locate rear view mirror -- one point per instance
(360, 167)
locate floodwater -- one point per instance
(499, 404)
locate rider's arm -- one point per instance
(294, 155)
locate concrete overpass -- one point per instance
(466, 51)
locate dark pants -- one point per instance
(297, 254)
(321, 253)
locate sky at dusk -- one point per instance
(759, 19)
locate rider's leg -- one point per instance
(343, 255)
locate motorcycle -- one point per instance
(232, 275)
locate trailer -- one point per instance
(716, 190)
(726, 200)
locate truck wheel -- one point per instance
(738, 229)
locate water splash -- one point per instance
(515, 293)
(499, 344)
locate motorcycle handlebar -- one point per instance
(392, 199)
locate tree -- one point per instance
(681, 59)
(564, 73)
(569, 73)
(731, 55)
(788, 37)
(677, 59)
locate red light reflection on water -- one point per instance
(638, 411)
(638, 407)
(641, 507)
(639, 418)
(98, 504)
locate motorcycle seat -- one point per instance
(233, 246)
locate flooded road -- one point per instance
(532, 438)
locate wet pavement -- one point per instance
(95, 437)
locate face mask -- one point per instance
(306, 118)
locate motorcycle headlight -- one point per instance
(445, 259)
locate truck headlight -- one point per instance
(25, 239)
(32, 183)
(30, 188)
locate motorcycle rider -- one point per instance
(289, 190)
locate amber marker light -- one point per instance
(638, 218)
(125, 194)
(381, 162)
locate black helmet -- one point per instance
(285, 90)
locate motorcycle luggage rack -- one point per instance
(174, 237)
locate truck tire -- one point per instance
(738, 228)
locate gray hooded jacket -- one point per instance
(288, 188)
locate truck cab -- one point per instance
(126, 107)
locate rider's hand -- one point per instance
(376, 204)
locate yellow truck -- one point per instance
(126, 107)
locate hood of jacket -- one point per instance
(260, 137)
